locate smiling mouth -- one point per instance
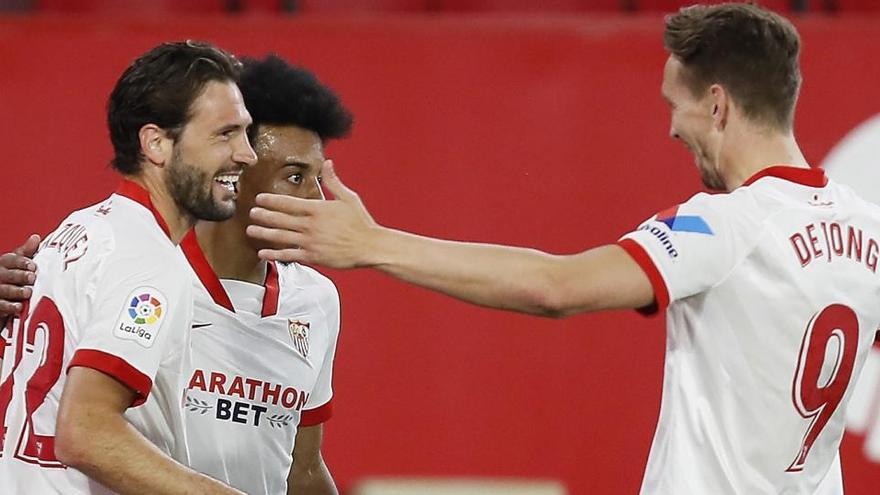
(228, 182)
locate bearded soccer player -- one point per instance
(767, 286)
(93, 367)
(264, 334)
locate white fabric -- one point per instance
(743, 297)
(238, 430)
(122, 254)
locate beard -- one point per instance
(710, 178)
(192, 191)
(708, 169)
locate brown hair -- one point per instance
(750, 51)
(160, 87)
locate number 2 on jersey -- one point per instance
(45, 320)
(814, 401)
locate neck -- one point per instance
(229, 252)
(178, 222)
(750, 154)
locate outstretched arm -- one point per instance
(342, 234)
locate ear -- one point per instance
(720, 102)
(156, 145)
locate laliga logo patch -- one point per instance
(145, 309)
(299, 332)
(141, 319)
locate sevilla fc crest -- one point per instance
(299, 333)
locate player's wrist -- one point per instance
(380, 247)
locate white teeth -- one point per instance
(232, 179)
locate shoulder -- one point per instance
(320, 289)
(304, 277)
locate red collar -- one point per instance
(138, 194)
(207, 275)
(812, 177)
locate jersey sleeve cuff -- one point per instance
(117, 368)
(643, 259)
(316, 416)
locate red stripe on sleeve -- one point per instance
(641, 257)
(317, 415)
(116, 367)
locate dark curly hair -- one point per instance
(278, 93)
(159, 88)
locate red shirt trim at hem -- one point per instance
(641, 257)
(317, 415)
(117, 368)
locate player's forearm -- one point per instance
(106, 448)
(311, 479)
(503, 277)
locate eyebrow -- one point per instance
(229, 127)
(293, 162)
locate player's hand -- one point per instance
(333, 233)
(17, 274)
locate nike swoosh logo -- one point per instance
(201, 325)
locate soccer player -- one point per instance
(770, 288)
(264, 334)
(93, 367)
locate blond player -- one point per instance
(771, 288)
(93, 367)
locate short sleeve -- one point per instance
(685, 249)
(319, 407)
(139, 307)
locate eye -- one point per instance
(320, 179)
(296, 179)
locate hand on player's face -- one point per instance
(289, 163)
(334, 233)
(17, 274)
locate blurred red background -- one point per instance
(544, 131)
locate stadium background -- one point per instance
(528, 123)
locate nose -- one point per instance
(244, 153)
(673, 133)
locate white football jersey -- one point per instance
(772, 294)
(113, 295)
(262, 366)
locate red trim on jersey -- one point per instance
(661, 293)
(116, 367)
(270, 297)
(193, 252)
(138, 194)
(197, 259)
(317, 415)
(812, 177)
